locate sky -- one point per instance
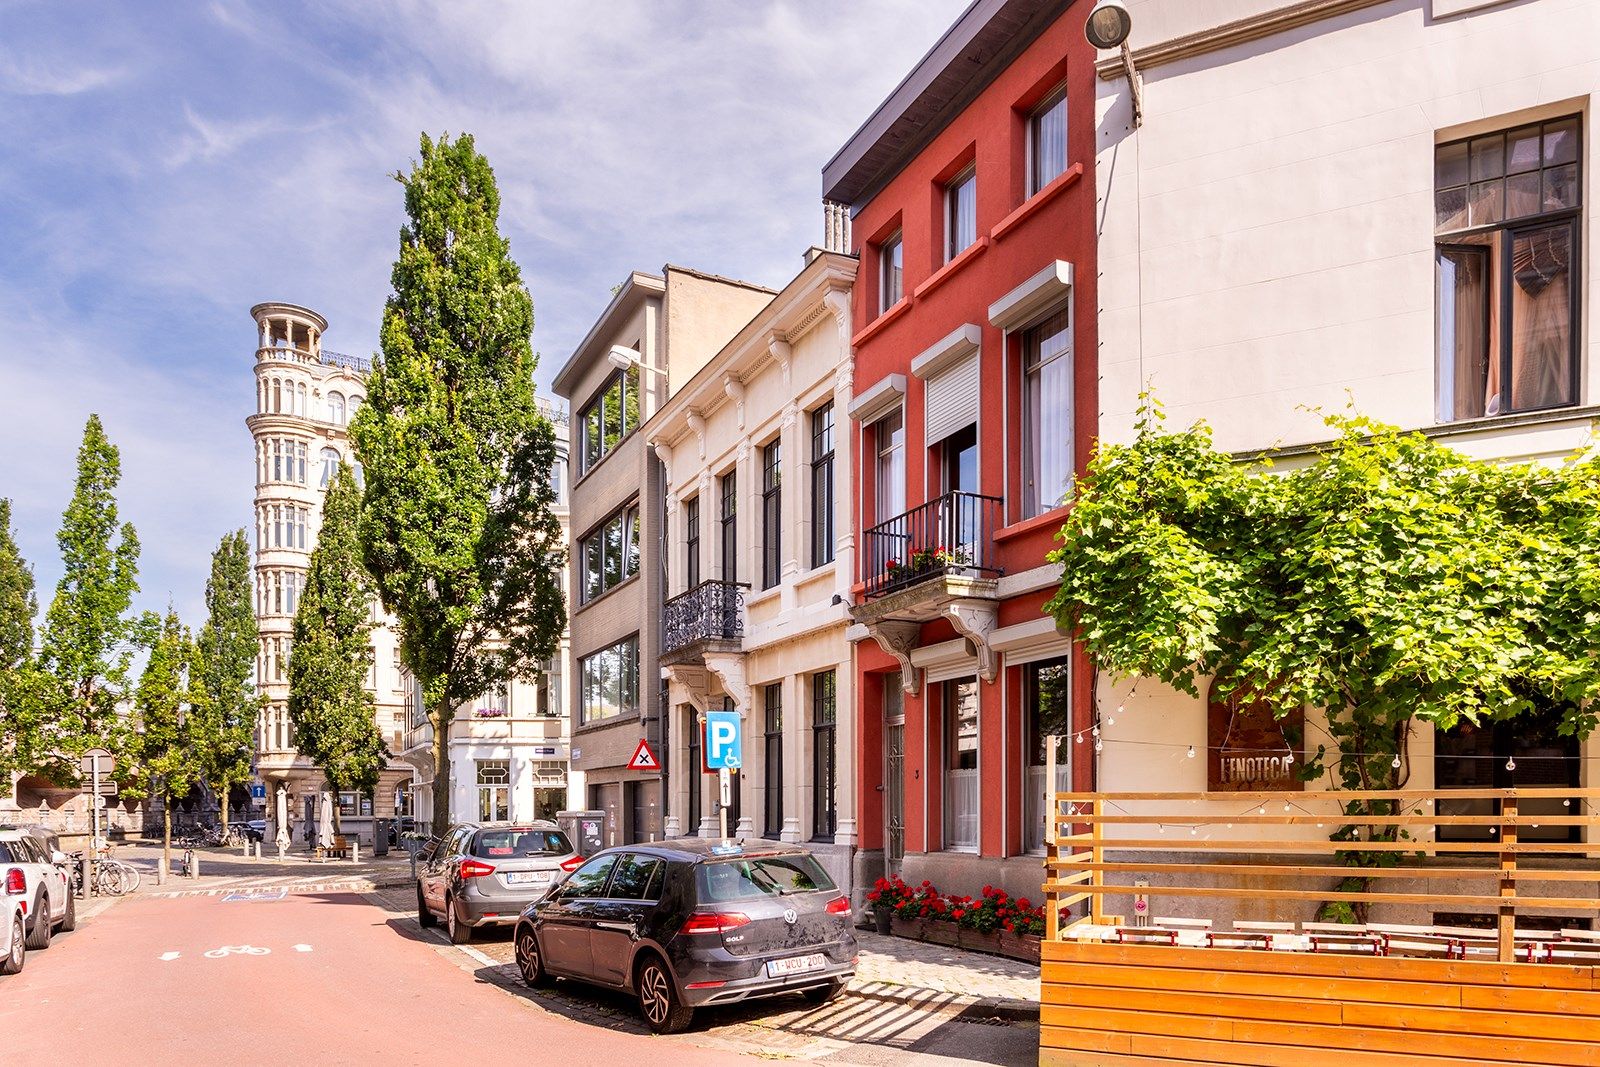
(166, 165)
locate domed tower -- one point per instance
(305, 398)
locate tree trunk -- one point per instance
(333, 798)
(222, 795)
(166, 837)
(441, 773)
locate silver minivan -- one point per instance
(484, 874)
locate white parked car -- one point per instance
(38, 896)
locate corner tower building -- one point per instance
(305, 398)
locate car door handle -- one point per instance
(626, 927)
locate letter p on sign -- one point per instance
(724, 741)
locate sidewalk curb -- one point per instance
(366, 885)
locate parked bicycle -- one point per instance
(111, 877)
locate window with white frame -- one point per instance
(494, 790)
(891, 255)
(961, 212)
(889, 482)
(330, 467)
(1047, 421)
(336, 408)
(1047, 141)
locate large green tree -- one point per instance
(457, 528)
(88, 638)
(226, 705)
(156, 758)
(331, 654)
(18, 608)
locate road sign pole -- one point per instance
(94, 817)
(725, 785)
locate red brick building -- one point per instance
(972, 196)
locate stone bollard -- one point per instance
(355, 850)
(194, 866)
(246, 852)
(281, 852)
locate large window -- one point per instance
(772, 738)
(611, 682)
(961, 212)
(889, 433)
(1047, 141)
(610, 555)
(1527, 752)
(730, 526)
(330, 467)
(822, 532)
(961, 765)
(1047, 413)
(1047, 713)
(890, 272)
(691, 543)
(336, 408)
(494, 790)
(771, 514)
(824, 756)
(696, 767)
(610, 417)
(1506, 225)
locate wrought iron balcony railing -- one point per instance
(950, 534)
(711, 611)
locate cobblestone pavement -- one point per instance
(910, 1004)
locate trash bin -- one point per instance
(380, 836)
(586, 829)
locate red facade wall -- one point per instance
(993, 131)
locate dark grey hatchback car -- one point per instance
(690, 923)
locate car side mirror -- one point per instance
(58, 858)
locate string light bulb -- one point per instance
(1078, 740)
(1099, 745)
(1396, 763)
(1286, 806)
(1566, 803)
(1511, 763)
(1193, 830)
(1191, 752)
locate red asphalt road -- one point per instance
(367, 992)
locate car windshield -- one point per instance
(504, 844)
(748, 879)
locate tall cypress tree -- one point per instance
(18, 606)
(457, 528)
(87, 641)
(226, 705)
(157, 757)
(329, 704)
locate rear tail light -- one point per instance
(839, 906)
(16, 884)
(571, 865)
(474, 869)
(713, 922)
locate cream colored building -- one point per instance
(756, 450)
(305, 398)
(1381, 204)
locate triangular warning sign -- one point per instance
(644, 759)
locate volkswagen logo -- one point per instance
(789, 916)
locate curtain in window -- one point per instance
(1541, 314)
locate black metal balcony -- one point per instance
(712, 611)
(951, 534)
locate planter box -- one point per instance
(911, 928)
(942, 933)
(1020, 946)
(975, 941)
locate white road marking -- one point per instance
(302, 948)
(236, 950)
(168, 956)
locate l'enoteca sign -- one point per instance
(1249, 749)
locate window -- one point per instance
(772, 703)
(822, 533)
(610, 417)
(771, 514)
(277, 396)
(300, 462)
(890, 262)
(506, 844)
(1528, 751)
(961, 765)
(726, 881)
(356, 804)
(610, 555)
(330, 467)
(636, 878)
(1047, 712)
(1506, 215)
(890, 483)
(336, 408)
(696, 771)
(691, 543)
(1047, 413)
(1047, 141)
(495, 704)
(558, 481)
(300, 398)
(730, 526)
(277, 527)
(590, 879)
(494, 790)
(824, 757)
(611, 681)
(961, 212)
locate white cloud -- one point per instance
(39, 76)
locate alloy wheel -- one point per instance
(654, 993)
(528, 956)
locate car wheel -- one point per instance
(529, 960)
(39, 936)
(70, 921)
(822, 994)
(19, 951)
(460, 933)
(658, 1000)
(425, 917)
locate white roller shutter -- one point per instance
(950, 400)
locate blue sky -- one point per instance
(167, 165)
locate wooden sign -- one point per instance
(1248, 749)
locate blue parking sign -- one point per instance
(724, 741)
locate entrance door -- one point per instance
(894, 782)
(958, 528)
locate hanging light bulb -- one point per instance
(1121, 708)
(1288, 758)
(1396, 763)
(1262, 810)
(1566, 803)
(1511, 763)
(1193, 831)
(1095, 730)
(1286, 806)
(1099, 745)
(1078, 740)
(1191, 752)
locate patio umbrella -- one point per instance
(325, 822)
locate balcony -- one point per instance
(951, 538)
(709, 617)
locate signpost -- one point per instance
(98, 764)
(724, 751)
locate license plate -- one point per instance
(796, 965)
(525, 877)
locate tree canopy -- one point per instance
(331, 653)
(1387, 577)
(457, 528)
(156, 756)
(18, 607)
(226, 704)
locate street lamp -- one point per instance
(623, 357)
(1108, 27)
